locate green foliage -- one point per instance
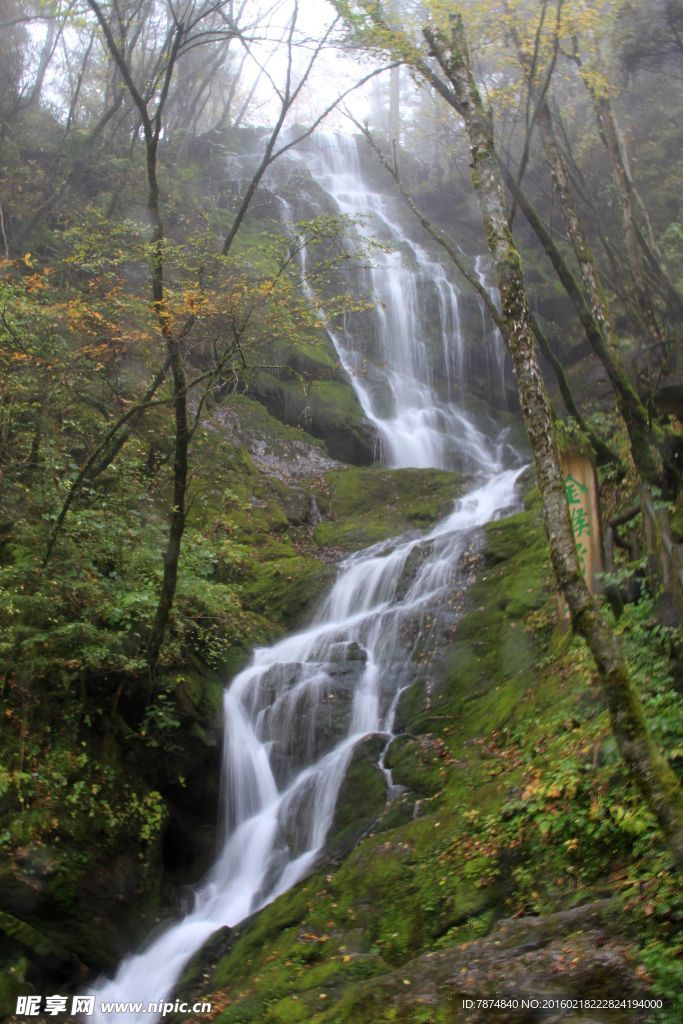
(93, 756)
(662, 960)
(569, 437)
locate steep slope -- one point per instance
(515, 862)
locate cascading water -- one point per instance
(294, 717)
(416, 324)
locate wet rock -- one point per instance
(327, 409)
(348, 650)
(308, 722)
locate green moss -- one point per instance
(286, 588)
(335, 401)
(511, 586)
(373, 504)
(361, 798)
(314, 357)
(27, 936)
(289, 1010)
(254, 419)
(404, 888)
(677, 519)
(327, 409)
(416, 763)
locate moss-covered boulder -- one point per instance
(524, 964)
(287, 588)
(326, 408)
(415, 763)
(363, 506)
(282, 451)
(497, 674)
(361, 799)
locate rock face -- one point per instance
(362, 506)
(362, 799)
(279, 451)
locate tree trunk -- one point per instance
(152, 131)
(655, 779)
(182, 432)
(610, 136)
(638, 232)
(630, 406)
(602, 451)
(395, 106)
(592, 328)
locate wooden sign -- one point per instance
(581, 486)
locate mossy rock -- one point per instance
(410, 707)
(284, 452)
(336, 416)
(400, 889)
(361, 799)
(493, 657)
(327, 409)
(416, 763)
(45, 948)
(364, 506)
(315, 358)
(286, 588)
(520, 957)
(29, 937)
(420, 908)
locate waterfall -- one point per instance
(295, 715)
(416, 323)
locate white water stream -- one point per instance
(411, 386)
(294, 717)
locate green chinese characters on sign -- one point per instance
(581, 527)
